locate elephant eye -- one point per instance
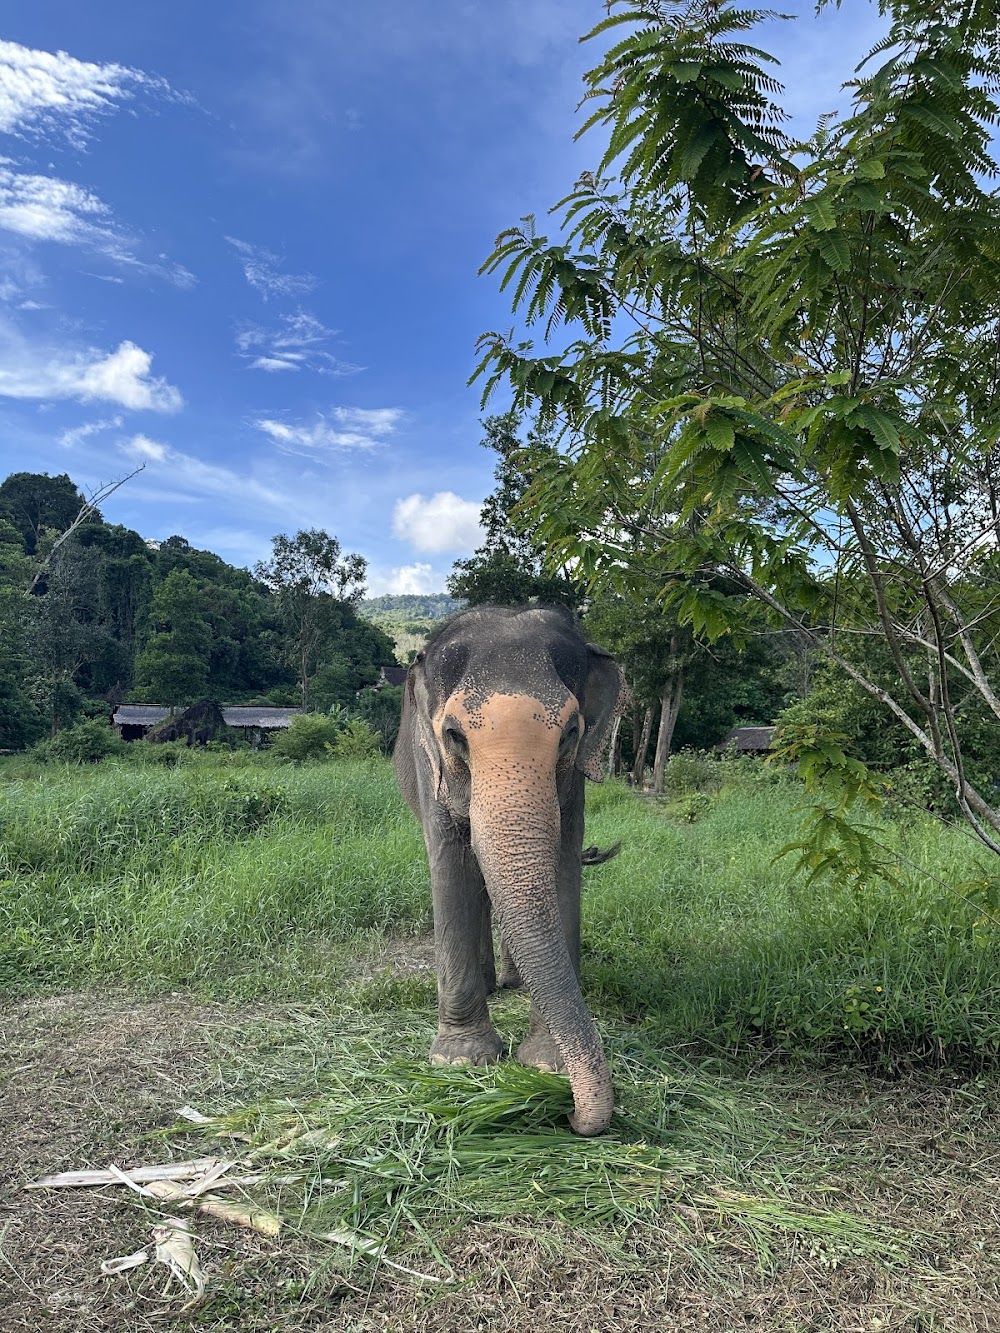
(571, 735)
(454, 737)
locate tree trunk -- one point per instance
(641, 750)
(670, 705)
(614, 749)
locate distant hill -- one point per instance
(396, 608)
(409, 617)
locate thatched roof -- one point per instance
(148, 715)
(197, 725)
(748, 740)
(394, 675)
(270, 719)
(139, 715)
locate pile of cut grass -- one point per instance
(393, 1157)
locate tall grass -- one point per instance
(199, 874)
(251, 879)
(702, 930)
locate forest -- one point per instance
(102, 616)
(105, 617)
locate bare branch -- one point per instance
(88, 508)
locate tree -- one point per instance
(125, 582)
(20, 720)
(310, 580)
(809, 397)
(49, 511)
(172, 665)
(700, 690)
(352, 658)
(509, 568)
(65, 638)
(35, 503)
(77, 608)
(381, 710)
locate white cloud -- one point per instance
(44, 208)
(344, 428)
(123, 377)
(299, 344)
(53, 94)
(444, 522)
(46, 92)
(417, 578)
(72, 437)
(20, 276)
(88, 375)
(142, 447)
(189, 478)
(262, 270)
(273, 363)
(376, 420)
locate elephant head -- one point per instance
(511, 709)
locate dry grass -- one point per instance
(95, 1077)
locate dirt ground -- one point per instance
(88, 1079)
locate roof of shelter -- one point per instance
(147, 715)
(748, 738)
(260, 717)
(139, 715)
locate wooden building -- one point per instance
(133, 721)
(748, 740)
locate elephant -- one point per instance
(505, 711)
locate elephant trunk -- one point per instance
(516, 841)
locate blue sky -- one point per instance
(239, 243)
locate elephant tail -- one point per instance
(596, 856)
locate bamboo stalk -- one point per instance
(140, 1174)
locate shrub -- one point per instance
(86, 742)
(311, 736)
(746, 770)
(165, 754)
(690, 808)
(252, 805)
(357, 741)
(381, 710)
(690, 772)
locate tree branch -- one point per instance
(86, 509)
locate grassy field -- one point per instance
(805, 1076)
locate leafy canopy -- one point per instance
(778, 358)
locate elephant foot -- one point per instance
(510, 978)
(473, 1048)
(540, 1051)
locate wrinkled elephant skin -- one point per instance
(504, 714)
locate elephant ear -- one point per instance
(420, 704)
(603, 701)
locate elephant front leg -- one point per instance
(465, 1034)
(510, 977)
